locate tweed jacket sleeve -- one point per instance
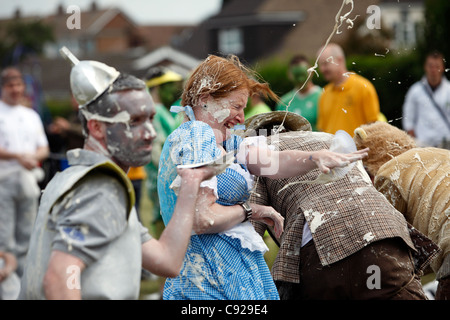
(344, 216)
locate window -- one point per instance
(231, 41)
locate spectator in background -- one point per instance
(164, 86)
(63, 134)
(137, 176)
(68, 128)
(303, 99)
(426, 110)
(23, 146)
(348, 100)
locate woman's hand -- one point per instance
(327, 160)
(269, 216)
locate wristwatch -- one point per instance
(247, 210)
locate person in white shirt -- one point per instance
(426, 110)
(23, 145)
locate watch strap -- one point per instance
(247, 210)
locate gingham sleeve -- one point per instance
(194, 142)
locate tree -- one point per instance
(364, 41)
(437, 28)
(21, 39)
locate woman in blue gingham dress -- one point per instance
(226, 265)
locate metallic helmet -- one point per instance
(88, 79)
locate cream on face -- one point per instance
(223, 114)
(130, 133)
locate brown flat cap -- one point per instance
(271, 120)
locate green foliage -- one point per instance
(437, 28)
(361, 42)
(392, 75)
(59, 108)
(274, 71)
(22, 38)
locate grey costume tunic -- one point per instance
(87, 211)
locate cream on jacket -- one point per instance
(417, 183)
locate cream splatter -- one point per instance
(121, 117)
(369, 236)
(395, 175)
(317, 219)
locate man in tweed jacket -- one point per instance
(354, 244)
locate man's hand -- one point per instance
(28, 161)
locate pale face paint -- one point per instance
(129, 138)
(224, 113)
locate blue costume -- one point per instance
(229, 265)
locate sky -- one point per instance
(141, 11)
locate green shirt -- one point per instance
(302, 104)
(250, 111)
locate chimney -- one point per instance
(17, 13)
(60, 10)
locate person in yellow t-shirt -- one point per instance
(137, 176)
(348, 100)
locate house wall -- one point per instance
(115, 36)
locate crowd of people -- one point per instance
(84, 231)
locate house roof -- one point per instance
(162, 35)
(55, 71)
(253, 12)
(92, 21)
(311, 23)
(308, 36)
(176, 60)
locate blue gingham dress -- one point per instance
(216, 266)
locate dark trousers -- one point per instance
(382, 270)
(443, 289)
